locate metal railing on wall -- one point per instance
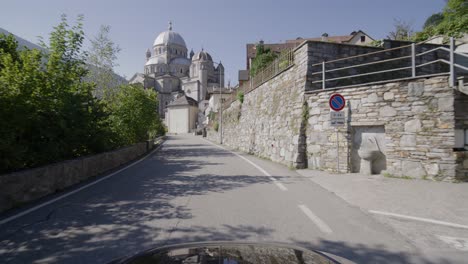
(404, 62)
(283, 62)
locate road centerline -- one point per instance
(317, 221)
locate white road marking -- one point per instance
(427, 220)
(459, 243)
(275, 181)
(317, 221)
(13, 217)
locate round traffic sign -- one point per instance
(337, 102)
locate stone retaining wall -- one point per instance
(413, 122)
(268, 122)
(28, 185)
(417, 119)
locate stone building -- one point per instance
(173, 72)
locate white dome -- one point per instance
(156, 60)
(182, 61)
(203, 56)
(169, 37)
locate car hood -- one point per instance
(229, 253)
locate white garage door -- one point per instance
(178, 120)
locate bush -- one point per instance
(216, 126)
(240, 97)
(132, 115)
(262, 59)
(452, 22)
(48, 112)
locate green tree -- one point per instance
(8, 47)
(454, 22)
(133, 116)
(48, 112)
(262, 59)
(433, 20)
(102, 58)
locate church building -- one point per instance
(174, 73)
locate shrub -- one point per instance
(240, 97)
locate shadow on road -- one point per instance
(139, 209)
(132, 211)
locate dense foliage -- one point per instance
(452, 22)
(48, 111)
(262, 59)
(132, 114)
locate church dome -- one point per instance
(182, 61)
(156, 60)
(203, 56)
(169, 37)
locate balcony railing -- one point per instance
(405, 62)
(283, 62)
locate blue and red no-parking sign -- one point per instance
(337, 102)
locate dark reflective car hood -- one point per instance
(228, 253)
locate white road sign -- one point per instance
(337, 119)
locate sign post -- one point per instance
(337, 119)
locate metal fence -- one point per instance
(405, 62)
(283, 62)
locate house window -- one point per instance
(180, 70)
(363, 38)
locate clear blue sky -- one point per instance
(221, 27)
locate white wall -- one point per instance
(356, 40)
(214, 100)
(194, 88)
(178, 119)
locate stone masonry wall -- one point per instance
(419, 121)
(28, 185)
(415, 119)
(268, 122)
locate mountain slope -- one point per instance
(24, 43)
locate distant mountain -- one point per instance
(21, 41)
(24, 43)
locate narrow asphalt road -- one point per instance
(191, 190)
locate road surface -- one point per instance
(191, 190)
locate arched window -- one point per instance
(181, 70)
